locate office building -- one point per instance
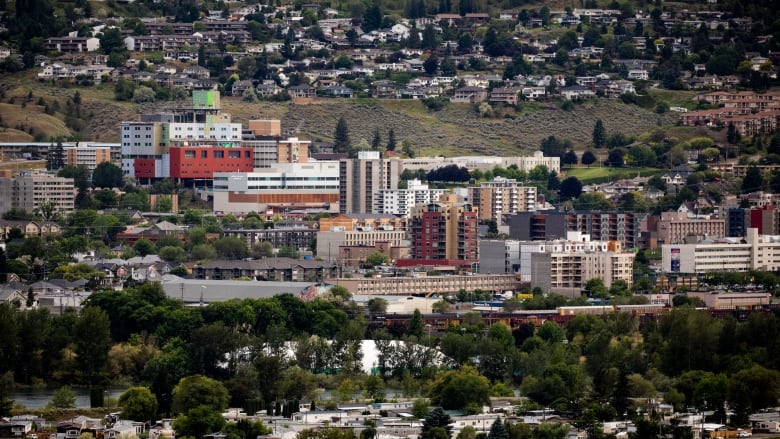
(753, 252)
(287, 186)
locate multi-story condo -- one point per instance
(32, 190)
(287, 186)
(296, 235)
(362, 177)
(444, 233)
(500, 197)
(753, 252)
(88, 155)
(676, 227)
(563, 265)
(401, 201)
(603, 226)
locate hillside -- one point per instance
(458, 129)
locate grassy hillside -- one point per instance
(597, 174)
(458, 129)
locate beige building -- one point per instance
(88, 156)
(674, 227)
(343, 245)
(361, 178)
(427, 285)
(757, 252)
(265, 127)
(31, 190)
(501, 197)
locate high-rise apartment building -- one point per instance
(362, 177)
(401, 201)
(501, 197)
(444, 233)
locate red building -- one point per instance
(204, 161)
(444, 234)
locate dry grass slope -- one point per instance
(458, 129)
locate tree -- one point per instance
(341, 142)
(92, 333)
(416, 324)
(231, 247)
(459, 389)
(497, 430)
(753, 180)
(144, 247)
(377, 305)
(431, 64)
(553, 147)
(138, 404)
(391, 142)
(436, 421)
(197, 391)
(615, 158)
(570, 158)
(570, 188)
(56, 157)
(107, 175)
(376, 140)
(420, 408)
(63, 398)
(588, 158)
(198, 422)
(599, 134)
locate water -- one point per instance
(38, 398)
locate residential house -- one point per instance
(153, 233)
(469, 95)
(276, 269)
(577, 92)
(302, 91)
(339, 91)
(504, 95)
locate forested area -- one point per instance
(274, 353)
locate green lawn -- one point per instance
(601, 174)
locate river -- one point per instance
(37, 398)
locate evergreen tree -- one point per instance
(341, 143)
(391, 140)
(599, 134)
(416, 324)
(436, 421)
(497, 430)
(202, 56)
(56, 157)
(377, 140)
(753, 180)
(3, 267)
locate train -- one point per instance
(561, 315)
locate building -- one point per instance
(565, 266)
(296, 235)
(444, 233)
(88, 155)
(602, 226)
(401, 201)
(185, 143)
(499, 256)
(346, 246)
(32, 191)
(362, 177)
(271, 269)
(753, 252)
(427, 285)
(287, 186)
(500, 197)
(73, 44)
(676, 227)
(483, 163)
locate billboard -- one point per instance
(675, 260)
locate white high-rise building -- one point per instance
(401, 201)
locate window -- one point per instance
(234, 154)
(189, 154)
(219, 154)
(204, 154)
